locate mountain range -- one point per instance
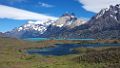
(104, 25)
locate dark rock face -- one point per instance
(105, 25)
(106, 19)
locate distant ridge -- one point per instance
(34, 29)
(104, 25)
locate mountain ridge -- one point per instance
(42, 29)
(104, 25)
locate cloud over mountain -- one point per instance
(97, 5)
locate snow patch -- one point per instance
(102, 12)
(40, 26)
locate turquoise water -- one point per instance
(36, 39)
(43, 39)
(64, 49)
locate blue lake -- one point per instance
(64, 49)
(36, 39)
(43, 39)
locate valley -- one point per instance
(13, 54)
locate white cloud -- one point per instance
(19, 14)
(97, 5)
(45, 5)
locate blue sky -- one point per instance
(50, 8)
(55, 8)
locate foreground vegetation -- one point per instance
(109, 57)
(12, 55)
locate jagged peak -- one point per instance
(112, 10)
(65, 20)
(72, 15)
(116, 7)
(101, 12)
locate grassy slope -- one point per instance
(12, 55)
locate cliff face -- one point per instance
(104, 25)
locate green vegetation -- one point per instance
(12, 55)
(108, 56)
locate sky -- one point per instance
(14, 13)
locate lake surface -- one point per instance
(36, 39)
(64, 49)
(43, 39)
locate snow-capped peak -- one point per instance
(40, 26)
(39, 21)
(102, 12)
(65, 20)
(35, 22)
(46, 23)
